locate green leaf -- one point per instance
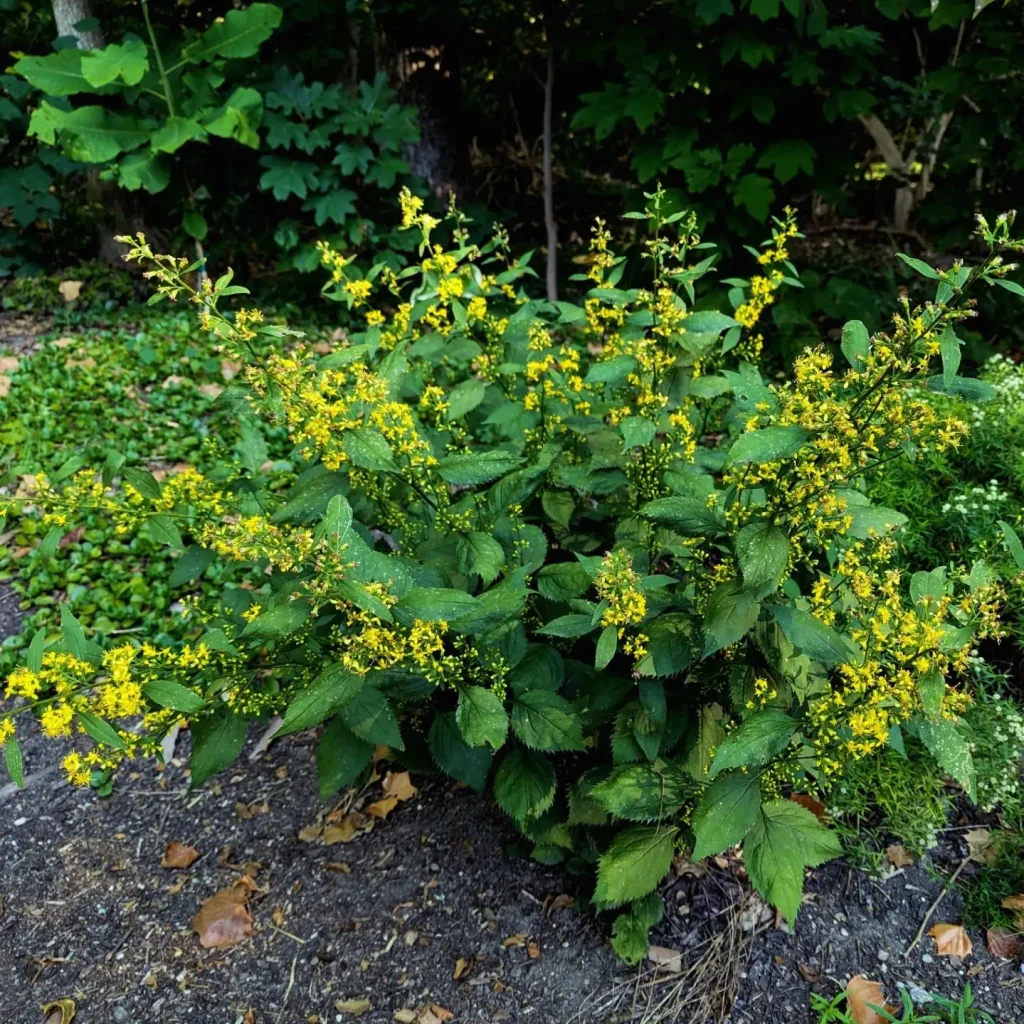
(72, 632)
(524, 784)
(1013, 543)
(162, 529)
(143, 170)
(708, 321)
(630, 929)
(127, 61)
(868, 519)
(368, 449)
(454, 756)
(337, 206)
(15, 762)
(968, 388)
(950, 349)
(217, 740)
(788, 157)
(56, 74)
(762, 551)
(91, 135)
(755, 194)
(639, 792)
(562, 581)
(238, 34)
(370, 717)
(478, 467)
(690, 517)
(169, 694)
(814, 638)
(769, 444)
(610, 371)
(726, 813)
(194, 224)
(341, 757)
(288, 177)
(545, 721)
(174, 133)
(920, 266)
(465, 397)
(950, 749)
(754, 742)
(481, 717)
(480, 554)
(637, 860)
(332, 689)
(192, 564)
(278, 621)
(785, 839)
(569, 626)
(434, 604)
(932, 688)
(636, 431)
(607, 643)
(856, 343)
(730, 614)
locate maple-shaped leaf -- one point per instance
(863, 1000)
(223, 920)
(178, 855)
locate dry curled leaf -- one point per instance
(210, 390)
(898, 856)
(223, 920)
(519, 939)
(951, 940)
(250, 1017)
(979, 846)
(463, 967)
(247, 811)
(562, 902)
(5, 385)
(533, 950)
(355, 1007)
(61, 1012)
(8, 363)
(1002, 942)
(861, 995)
(178, 855)
(808, 973)
(665, 958)
(347, 829)
(398, 786)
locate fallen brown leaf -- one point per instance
(399, 786)
(88, 363)
(9, 363)
(347, 829)
(463, 966)
(5, 385)
(71, 537)
(979, 846)
(1002, 942)
(61, 1012)
(668, 959)
(898, 856)
(178, 855)
(250, 1017)
(356, 1007)
(533, 950)
(311, 833)
(440, 1012)
(70, 290)
(338, 865)
(951, 940)
(62, 342)
(519, 939)
(223, 920)
(562, 902)
(210, 390)
(808, 973)
(382, 808)
(861, 995)
(229, 368)
(1016, 904)
(247, 811)
(406, 1015)
(682, 866)
(816, 807)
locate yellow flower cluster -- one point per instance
(617, 583)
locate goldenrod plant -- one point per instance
(582, 553)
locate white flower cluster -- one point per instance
(997, 727)
(974, 500)
(1007, 377)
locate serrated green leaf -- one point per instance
(454, 756)
(169, 694)
(814, 638)
(332, 689)
(754, 742)
(15, 762)
(369, 715)
(481, 717)
(434, 604)
(768, 444)
(341, 757)
(637, 860)
(281, 620)
(726, 813)
(640, 792)
(545, 721)
(524, 785)
(217, 740)
(691, 517)
(762, 551)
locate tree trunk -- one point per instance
(68, 13)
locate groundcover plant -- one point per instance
(581, 553)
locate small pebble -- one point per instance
(883, 955)
(926, 958)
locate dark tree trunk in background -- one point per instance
(422, 59)
(550, 224)
(68, 13)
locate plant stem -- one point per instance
(168, 95)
